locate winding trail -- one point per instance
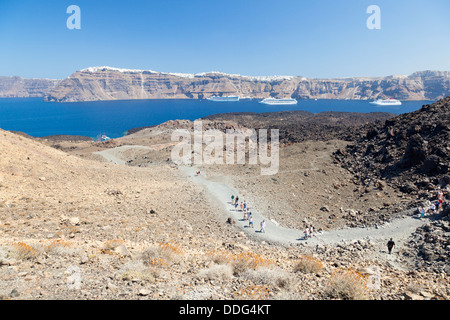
(220, 192)
(399, 229)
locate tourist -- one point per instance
(433, 208)
(236, 205)
(263, 226)
(310, 231)
(390, 245)
(245, 205)
(232, 199)
(306, 232)
(440, 203)
(242, 206)
(422, 212)
(250, 220)
(237, 199)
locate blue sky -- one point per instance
(321, 38)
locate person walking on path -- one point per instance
(422, 212)
(237, 199)
(306, 232)
(236, 205)
(433, 208)
(390, 245)
(242, 206)
(263, 226)
(232, 199)
(245, 205)
(250, 220)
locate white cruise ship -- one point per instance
(387, 102)
(223, 99)
(277, 102)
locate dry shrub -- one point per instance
(216, 272)
(252, 292)
(60, 247)
(55, 244)
(23, 251)
(162, 255)
(347, 285)
(170, 249)
(137, 270)
(221, 257)
(308, 264)
(245, 261)
(270, 277)
(241, 261)
(110, 245)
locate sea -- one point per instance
(37, 118)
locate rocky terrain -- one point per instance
(74, 224)
(106, 83)
(410, 151)
(297, 126)
(17, 87)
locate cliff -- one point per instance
(105, 83)
(17, 87)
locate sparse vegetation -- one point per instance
(270, 277)
(347, 284)
(252, 292)
(243, 261)
(308, 264)
(219, 272)
(23, 251)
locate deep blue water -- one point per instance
(114, 118)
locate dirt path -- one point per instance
(117, 155)
(220, 192)
(399, 229)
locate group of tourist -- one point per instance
(436, 205)
(246, 211)
(248, 217)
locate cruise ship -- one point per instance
(277, 102)
(223, 99)
(387, 102)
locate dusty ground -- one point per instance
(73, 226)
